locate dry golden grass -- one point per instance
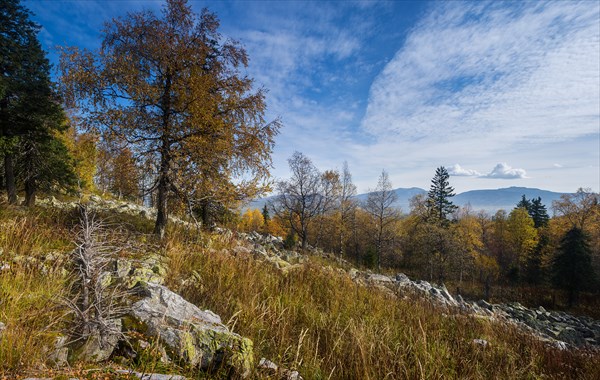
(315, 319)
(318, 321)
(31, 283)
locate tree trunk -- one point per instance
(163, 181)
(161, 206)
(30, 192)
(304, 232)
(342, 242)
(9, 177)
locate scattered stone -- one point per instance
(150, 376)
(481, 342)
(273, 369)
(268, 365)
(374, 277)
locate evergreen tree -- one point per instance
(572, 266)
(31, 114)
(539, 213)
(265, 215)
(17, 32)
(534, 273)
(438, 199)
(524, 203)
(46, 166)
(536, 209)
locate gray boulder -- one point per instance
(191, 336)
(100, 345)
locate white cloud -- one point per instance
(459, 171)
(488, 75)
(504, 171)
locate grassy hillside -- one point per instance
(313, 319)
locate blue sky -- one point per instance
(502, 93)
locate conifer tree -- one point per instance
(438, 201)
(265, 214)
(31, 114)
(572, 266)
(539, 213)
(524, 203)
(17, 32)
(536, 209)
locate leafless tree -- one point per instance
(347, 204)
(98, 301)
(300, 199)
(380, 204)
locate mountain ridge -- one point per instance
(490, 200)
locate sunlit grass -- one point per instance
(314, 319)
(318, 321)
(32, 280)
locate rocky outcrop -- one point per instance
(97, 203)
(268, 248)
(191, 336)
(186, 335)
(559, 328)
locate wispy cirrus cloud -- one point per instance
(487, 70)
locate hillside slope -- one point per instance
(309, 313)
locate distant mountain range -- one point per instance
(490, 200)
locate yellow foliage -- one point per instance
(82, 147)
(252, 220)
(523, 236)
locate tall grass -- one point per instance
(32, 280)
(314, 319)
(318, 321)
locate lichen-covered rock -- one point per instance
(99, 346)
(59, 356)
(192, 336)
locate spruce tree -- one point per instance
(539, 213)
(265, 214)
(31, 114)
(439, 204)
(524, 203)
(17, 32)
(536, 209)
(572, 266)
